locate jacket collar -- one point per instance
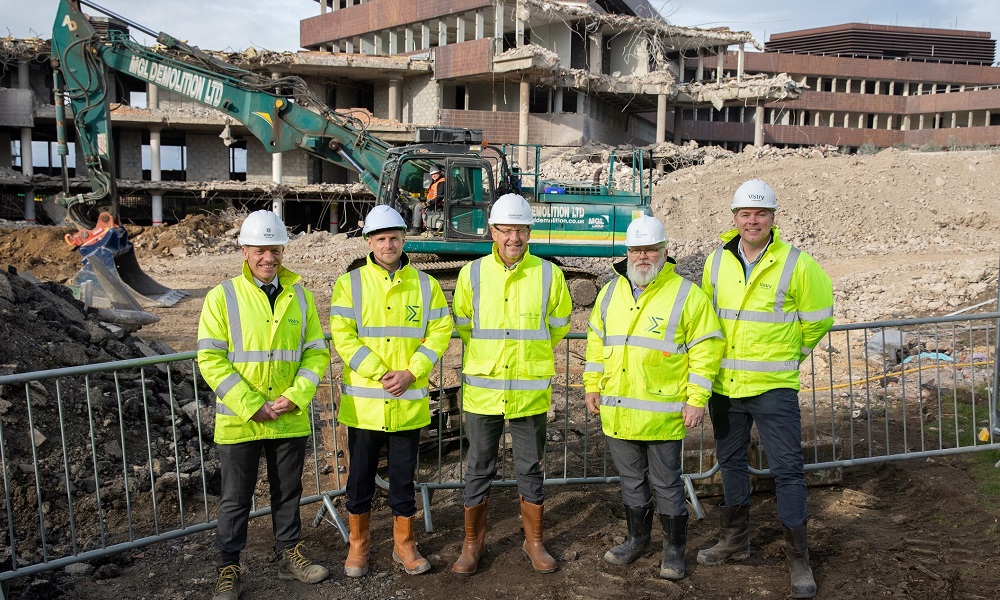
(404, 260)
(732, 237)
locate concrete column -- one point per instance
(906, 123)
(758, 126)
(720, 64)
(498, 23)
(425, 36)
(819, 84)
(395, 99)
(156, 174)
(557, 100)
(519, 32)
(408, 45)
(847, 85)
(833, 84)
(861, 121)
(594, 54)
(740, 56)
(699, 71)
(847, 120)
(969, 124)
(875, 120)
(661, 118)
(678, 125)
(277, 204)
(937, 120)
(152, 96)
(888, 122)
(460, 29)
(829, 123)
(393, 42)
(442, 32)
(581, 103)
(324, 6)
(522, 122)
(27, 157)
(920, 88)
(379, 44)
(816, 119)
(334, 217)
(920, 122)
(906, 88)
(878, 87)
(467, 99)
(480, 25)
(954, 120)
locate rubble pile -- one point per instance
(41, 328)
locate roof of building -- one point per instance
(865, 40)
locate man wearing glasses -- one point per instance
(511, 309)
(653, 349)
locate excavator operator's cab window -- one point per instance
(469, 189)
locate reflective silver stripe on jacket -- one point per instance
(713, 276)
(212, 344)
(402, 332)
(593, 367)
(515, 385)
(238, 353)
(342, 311)
(430, 354)
(668, 343)
(760, 366)
(228, 384)
(222, 409)
(605, 302)
(378, 393)
(698, 380)
(646, 405)
(265, 356)
(785, 281)
(306, 373)
(362, 353)
(778, 314)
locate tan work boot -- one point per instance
(404, 548)
(531, 521)
(294, 565)
(229, 586)
(360, 539)
(474, 545)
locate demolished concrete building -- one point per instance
(525, 72)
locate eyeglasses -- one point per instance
(645, 251)
(511, 231)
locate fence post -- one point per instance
(994, 402)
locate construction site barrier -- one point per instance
(105, 458)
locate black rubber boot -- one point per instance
(639, 540)
(734, 538)
(674, 543)
(797, 553)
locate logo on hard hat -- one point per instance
(759, 197)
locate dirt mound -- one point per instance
(40, 250)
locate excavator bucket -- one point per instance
(109, 264)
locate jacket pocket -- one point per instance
(540, 368)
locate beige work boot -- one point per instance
(531, 521)
(404, 548)
(474, 545)
(294, 565)
(360, 540)
(229, 586)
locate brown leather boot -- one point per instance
(404, 548)
(475, 539)
(360, 539)
(531, 521)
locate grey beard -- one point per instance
(644, 277)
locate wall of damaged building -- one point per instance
(626, 54)
(207, 158)
(6, 151)
(129, 154)
(421, 99)
(557, 38)
(296, 166)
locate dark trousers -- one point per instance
(776, 413)
(365, 446)
(527, 436)
(239, 464)
(645, 466)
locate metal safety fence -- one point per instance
(104, 458)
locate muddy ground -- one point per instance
(902, 234)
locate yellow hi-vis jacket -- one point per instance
(648, 358)
(771, 322)
(250, 355)
(510, 321)
(379, 325)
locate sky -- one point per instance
(274, 25)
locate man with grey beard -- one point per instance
(654, 346)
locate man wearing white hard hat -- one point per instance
(653, 349)
(775, 304)
(390, 324)
(262, 350)
(511, 309)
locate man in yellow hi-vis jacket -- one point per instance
(390, 324)
(775, 304)
(653, 349)
(261, 349)
(511, 309)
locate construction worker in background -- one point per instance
(511, 309)
(390, 324)
(653, 349)
(433, 200)
(775, 303)
(262, 350)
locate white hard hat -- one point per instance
(511, 209)
(263, 228)
(435, 169)
(754, 194)
(645, 231)
(382, 217)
